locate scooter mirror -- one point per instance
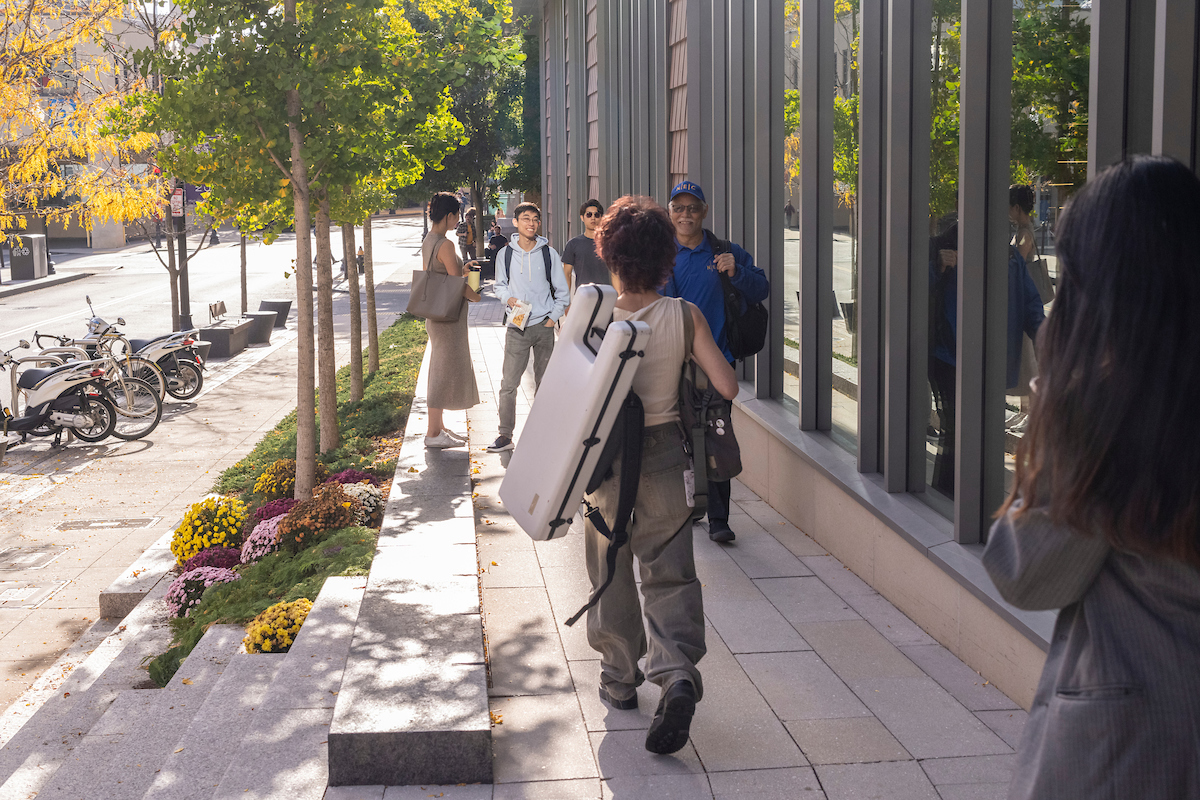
(24, 344)
(88, 298)
(120, 320)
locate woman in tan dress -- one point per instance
(451, 378)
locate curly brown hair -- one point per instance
(636, 240)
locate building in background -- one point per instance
(893, 128)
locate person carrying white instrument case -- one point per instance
(636, 241)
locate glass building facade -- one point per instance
(864, 152)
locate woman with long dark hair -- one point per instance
(636, 240)
(1104, 517)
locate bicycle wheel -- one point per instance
(103, 416)
(138, 407)
(185, 382)
(146, 370)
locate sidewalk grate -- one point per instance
(126, 522)
(23, 558)
(26, 594)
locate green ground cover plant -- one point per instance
(332, 543)
(387, 396)
(279, 577)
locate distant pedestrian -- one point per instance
(696, 278)
(528, 271)
(466, 235)
(495, 242)
(451, 379)
(1104, 517)
(789, 211)
(579, 256)
(636, 239)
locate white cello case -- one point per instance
(586, 381)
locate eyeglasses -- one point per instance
(690, 208)
(590, 214)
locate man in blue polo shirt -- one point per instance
(697, 279)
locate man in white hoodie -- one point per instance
(528, 270)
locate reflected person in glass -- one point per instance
(1104, 518)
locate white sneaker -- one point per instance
(454, 435)
(442, 441)
(1020, 427)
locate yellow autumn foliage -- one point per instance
(59, 84)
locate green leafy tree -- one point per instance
(318, 95)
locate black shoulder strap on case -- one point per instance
(631, 473)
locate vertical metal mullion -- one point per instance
(735, 108)
(543, 95)
(984, 121)
(1175, 79)
(826, 79)
(1106, 85)
(625, 121)
(872, 57)
(642, 96)
(770, 363)
(695, 90)
(1139, 78)
(918, 244)
(577, 41)
(906, 208)
(556, 225)
(660, 102)
(603, 91)
(718, 215)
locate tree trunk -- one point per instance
(173, 275)
(326, 352)
(477, 201)
(356, 365)
(372, 321)
(306, 454)
(244, 300)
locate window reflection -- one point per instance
(1051, 55)
(943, 254)
(845, 225)
(790, 218)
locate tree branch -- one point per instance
(286, 173)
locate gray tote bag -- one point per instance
(436, 296)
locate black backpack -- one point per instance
(745, 331)
(508, 251)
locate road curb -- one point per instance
(42, 283)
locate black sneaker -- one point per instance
(673, 719)
(719, 531)
(501, 443)
(622, 705)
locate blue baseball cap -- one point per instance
(687, 187)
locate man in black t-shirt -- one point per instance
(579, 256)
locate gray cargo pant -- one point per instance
(661, 538)
(517, 345)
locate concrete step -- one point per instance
(36, 751)
(213, 739)
(290, 731)
(120, 755)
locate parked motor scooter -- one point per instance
(71, 397)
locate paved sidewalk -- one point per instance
(816, 686)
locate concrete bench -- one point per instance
(413, 705)
(228, 338)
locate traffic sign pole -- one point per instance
(179, 223)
